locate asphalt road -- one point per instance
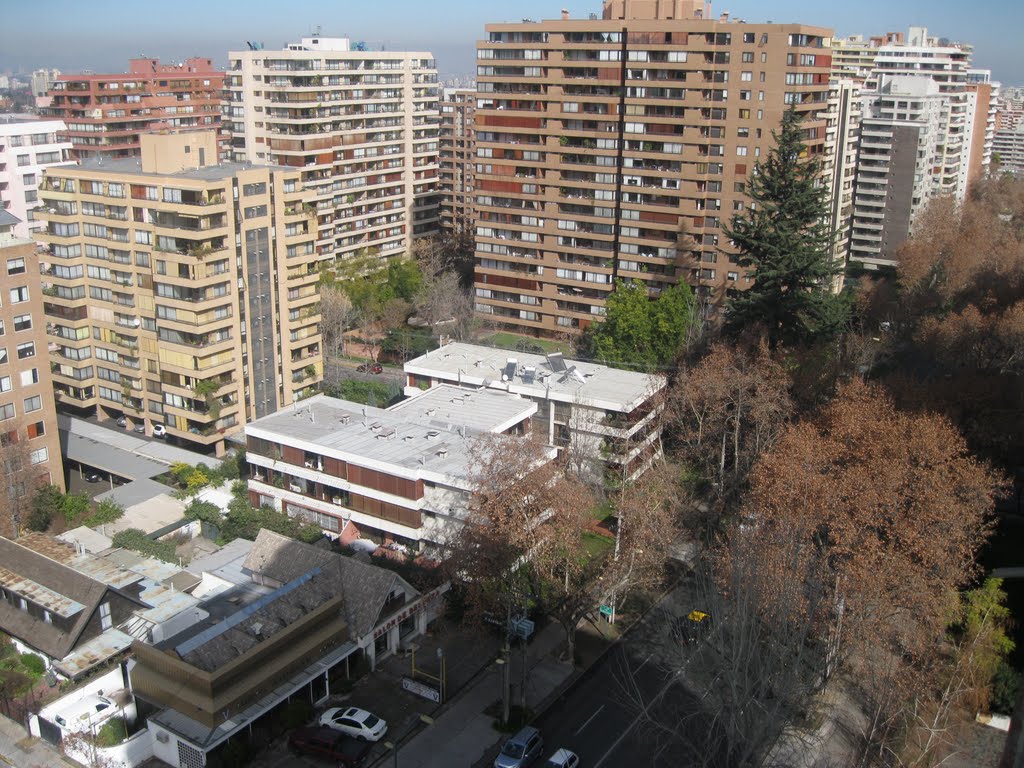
(600, 717)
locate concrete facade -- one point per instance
(575, 190)
(106, 114)
(181, 291)
(27, 148)
(29, 443)
(457, 161)
(359, 126)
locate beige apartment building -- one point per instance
(359, 126)
(457, 161)
(29, 446)
(616, 148)
(180, 292)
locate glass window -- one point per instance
(22, 322)
(28, 349)
(33, 403)
(19, 294)
(15, 266)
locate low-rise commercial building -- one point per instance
(289, 621)
(401, 474)
(605, 421)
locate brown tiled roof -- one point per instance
(20, 563)
(364, 588)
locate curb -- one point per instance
(438, 712)
(583, 672)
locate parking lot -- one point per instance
(466, 651)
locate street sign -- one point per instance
(606, 610)
(521, 627)
(414, 686)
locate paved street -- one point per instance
(599, 717)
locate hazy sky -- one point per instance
(101, 35)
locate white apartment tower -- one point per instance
(27, 148)
(900, 166)
(360, 125)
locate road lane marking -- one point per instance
(588, 720)
(637, 719)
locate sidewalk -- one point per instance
(21, 751)
(462, 734)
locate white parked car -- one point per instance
(563, 758)
(159, 430)
(355, 722)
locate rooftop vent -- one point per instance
(432, 434)
(442, 452)
(345, 418)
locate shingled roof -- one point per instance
(364, 588)
(56, 587)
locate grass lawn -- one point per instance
(602, 511)
(596, 544)
(526, 343)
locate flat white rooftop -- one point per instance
(538, 376)
(434, 434)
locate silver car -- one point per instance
(520, 750)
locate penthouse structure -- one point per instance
(401, 474)
(361, 128)
(106, 114)
(27, 148)
(29, 444)
(457, 162)
(615, 149)
(180, 291)
(606, 422)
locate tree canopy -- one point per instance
(640, 332)
(784, 238)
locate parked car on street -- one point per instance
(563, 758)
(122, 421)
(520, 750)
(159, 430)
(329, 744)
(140, 428)
(370, 368)
(355, 722)
(93, 477)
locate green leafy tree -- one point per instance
(107, 511)
(46, 505)
(74, 505)
(640, 332)
(784, 237)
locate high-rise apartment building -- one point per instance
(29, 444)
(926, 132)
(106, 114)
(1008, 147)
(27, 148)
(42, 80)
(616, 148)
(181, 291)
(842, 140)
(457, 162)
(361, 128)
(982, 105)
(900, 165)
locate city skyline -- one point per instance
(68, 37)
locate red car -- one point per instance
(371, 368)
(328, 744)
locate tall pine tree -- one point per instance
(785, 238)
